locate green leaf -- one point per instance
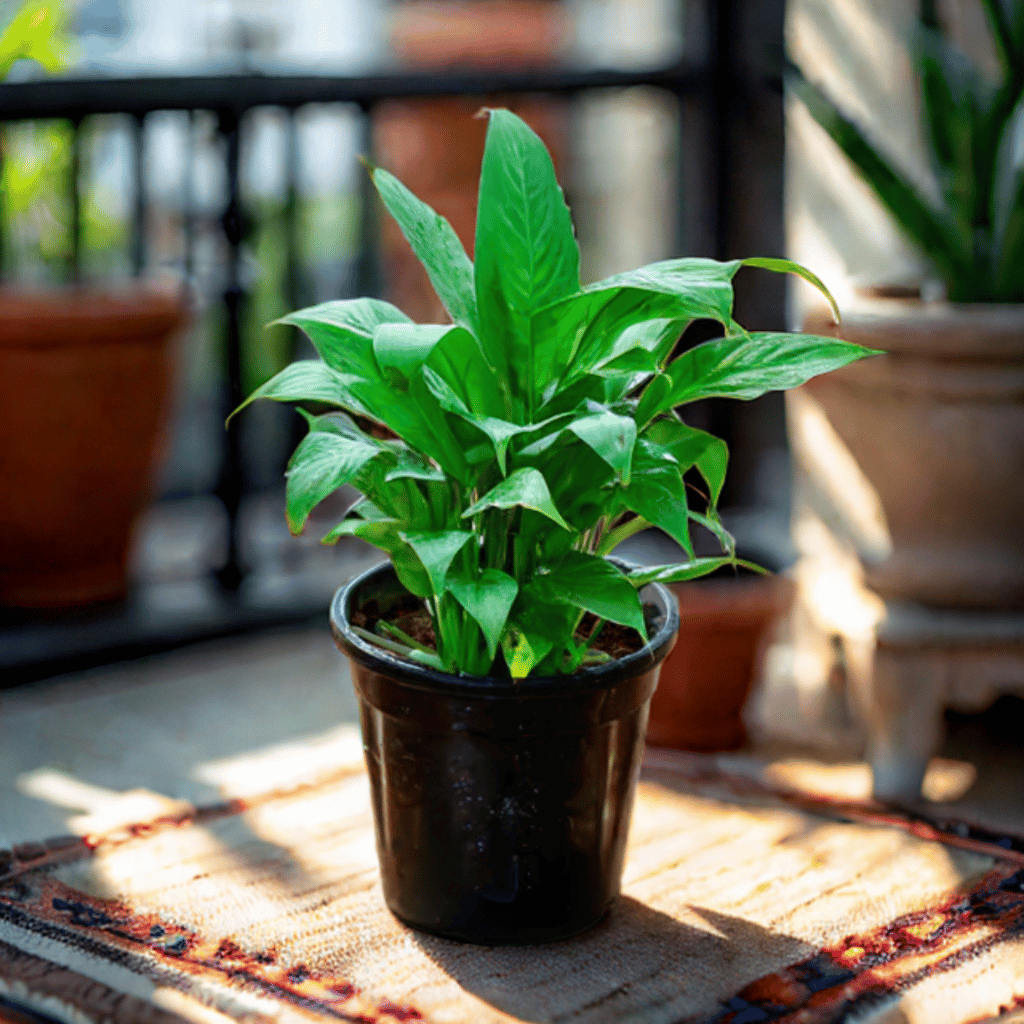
(342, 331)
(488, 597)
(526, 253)
(657, 492)
(405, 347)
(459, 361)
(692, 447)
(1008, 209)
(436, 552)
(596, 585)
(683, 571)
(525, 487)
(310, 380)
(789, 267)
(520, 654)
(436, 246)
(749, 366)
(611, 436)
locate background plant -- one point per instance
(536, 431)
(975, 132)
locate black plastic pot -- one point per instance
(501, 806)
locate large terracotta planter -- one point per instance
(87, 380)
(724, 625)
(936, 428)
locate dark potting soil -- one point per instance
(409, 615)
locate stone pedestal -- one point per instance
(925, 661)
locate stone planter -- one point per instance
(936, 428)
(87, 382)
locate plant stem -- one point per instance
(389, 627)
(615, 537)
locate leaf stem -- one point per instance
(615, 537)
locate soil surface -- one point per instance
(410, 616)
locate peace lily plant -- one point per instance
(536, 431)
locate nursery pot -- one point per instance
(87, 382)
(501, 806)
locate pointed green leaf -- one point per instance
(610, 436)
(520, 654)
(683, 571)
(342, 331)
(748, 366)
(789, 267)
(598, 586)
(436, 551)
(525, 487)
(459, 361)
(526, 252)
(322, 463)
(488, 597)
(692, 447)
(657, 492)
(436, 246)
(310, 380)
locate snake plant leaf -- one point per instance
(596, 585)
(310, 380)
(933, 230)
(683, 571)
(436, 246)
(322, 463)
(526, 488)
(611, 436)
(1007, 214)
(488, 596)
(749, 366)
(436, 550)
(526, 252)
(657, 492)
(342, 331)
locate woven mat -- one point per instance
(741, 904)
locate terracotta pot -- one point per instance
(435, 146)
(87, 379)
(936, 428)
(724, 624)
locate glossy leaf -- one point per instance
(598, 586)
(683, 571)
(526, 253)
(436, 552)
(488, 597)
(342, 331)
(692, 447)
(749, 366)
(657, 492)
(403, 348)
(310, 380)
(322, 463)
(436, 246)
(611, 436)
(526, 488)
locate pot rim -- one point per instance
(421, 677)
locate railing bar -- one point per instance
(231, 484)
(54, 98)
(368, 276)
(188, 210)
(291, 211)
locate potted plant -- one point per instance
(939, 421)
(504, 664)
(97, 360)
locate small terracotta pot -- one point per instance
(724, 624)
(87, 382)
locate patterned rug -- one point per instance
(743, 902)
